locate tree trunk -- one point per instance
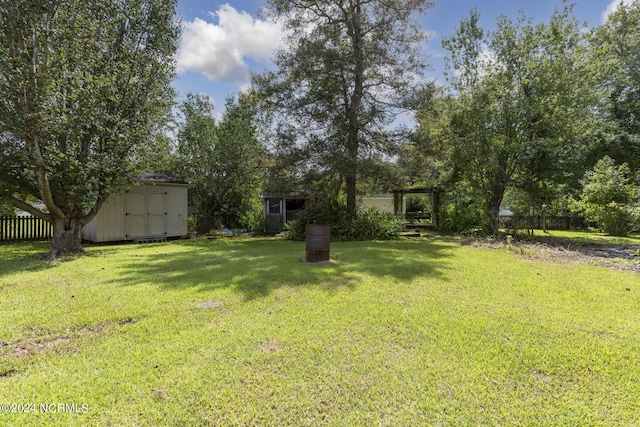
(354, 31)
(493, 209)
(351, 188)
(67, 236)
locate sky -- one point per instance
(224, 41)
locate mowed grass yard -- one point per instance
(241, 332)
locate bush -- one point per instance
(362, 225)
(457, 217)
(253, 219)
(609, 197)
(418, 203)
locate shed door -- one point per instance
(273, 215)
(157, 213)
(135, 214)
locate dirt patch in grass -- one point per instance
(618, 257)
(161, 394)
(210, 304)
(67, 341)
(270, 346)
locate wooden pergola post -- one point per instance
(397, 202)
(435, 207)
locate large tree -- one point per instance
(221, 160)
(82, 84)
(521, 98)
(616, 62)
(347, 68)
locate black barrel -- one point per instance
(318, 242)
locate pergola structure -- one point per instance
(400, 207)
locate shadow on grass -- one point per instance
(24, 256)
(255, 268)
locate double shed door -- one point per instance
(145, 213)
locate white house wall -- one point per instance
(383, 204)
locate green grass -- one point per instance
(240, 332)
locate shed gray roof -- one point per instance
(159, 178)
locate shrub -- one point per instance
(253, 219)
(418, 203)
(460, 217)
(609, 197)
(362, 225)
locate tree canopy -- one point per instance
(519, 103)
(347, 69)
(221, 160)
(82, 86)
(616, 58)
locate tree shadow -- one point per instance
(23, 256)
(255, 268)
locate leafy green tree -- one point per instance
(616, 62)
(6, 209)
(521, 96)
(609, 197)
(348, 68)
(221, 161)
(83, 84)
(423, 160)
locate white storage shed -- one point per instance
(154, 210)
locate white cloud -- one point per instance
(613, 6)
(220, 50)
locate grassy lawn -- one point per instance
(241, 332)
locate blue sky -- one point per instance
(223, 41)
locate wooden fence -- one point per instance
(535, 221)
(24, 228)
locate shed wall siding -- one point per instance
(177, 210)
(89, 231)
(112, 223)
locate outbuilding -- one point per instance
(152, 209)
(282, 208)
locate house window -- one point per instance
(274, 206)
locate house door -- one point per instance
(273, 216)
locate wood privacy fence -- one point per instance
(24, 228)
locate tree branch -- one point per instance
(20, 204)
